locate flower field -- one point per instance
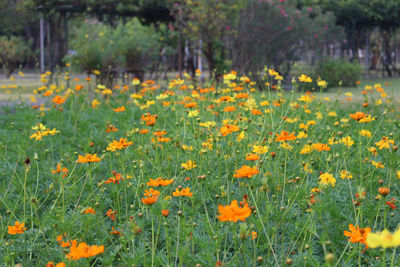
(199, 173)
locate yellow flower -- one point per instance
(384, 239)
(305, 78)
(305, 98)
(378, 165)
(366, 119)
(241, 136)
(322, 83)
(365, 133)
(307, 169)
(189, 165)
(332, 114)
(260, 149)
(344, 174)
(136, 96)
(272, 72)
(373, 151)
(307, 149)
(327, 179)
(229, 76)
(301, 135)
(208, 124)
(384, 143)
(135, 81)
(347, 141)
(285, 145)
(185, 147)
(193, 113)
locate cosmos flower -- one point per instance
(357, 234)
(17, 228)
(83, 250)
(285, 136)
(246, 171)
(233, 212)
(88, 158)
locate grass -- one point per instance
(295, 201)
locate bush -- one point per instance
(130, 46)
(338, 70)
(13, 51)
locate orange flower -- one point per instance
(184, 192)
(229, 109)
(246, 171)
(111, 128)
(358, 116)
(233, 212)
(119, 109)
(63, 170)
(285, 136)
(150, 200)
(151, 192)
(252, 157)
(116, 232)
(160, 133)
(191, 105)
(78, 87)
(321, 147)
(242, 95)
(122, 143)
(357, 234)
(149, 119)
(51, 264)
(165, 213)
(58, 100)
(115, 179)
(151, 196)
(88, 158)
(159, 182)
(111, 214)
(253, 235)
(83, 250)
(48, 93)
(256, 112)
(228, 128)
(162, 139)
(17, 228)
(143, 131)
(66, 244)
(90, 210)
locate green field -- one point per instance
(198, 173)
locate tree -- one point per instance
(359, 17)
(13, 51)
(277, 33)
(211, 21)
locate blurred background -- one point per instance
(342, 41)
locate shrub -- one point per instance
(13, 51)
(130, 46)
(338, 70)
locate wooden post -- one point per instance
(199, 62)
(49, 54)
(42, 52)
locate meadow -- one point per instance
(200, 173)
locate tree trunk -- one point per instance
(209, 53)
